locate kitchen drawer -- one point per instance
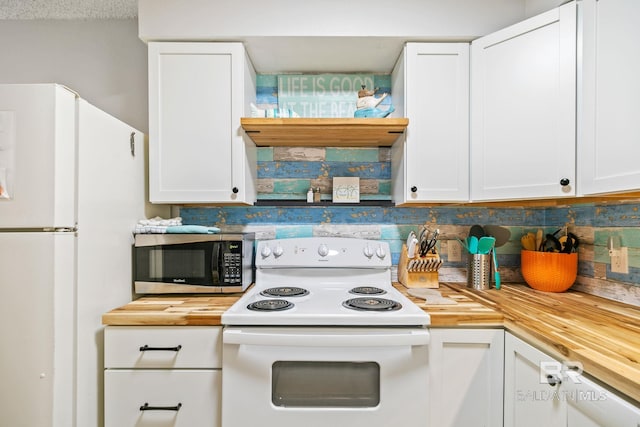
(167, 347)
(197, 392)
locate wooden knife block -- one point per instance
(417, 279)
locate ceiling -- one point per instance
(68, 9)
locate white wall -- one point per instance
(103, 60)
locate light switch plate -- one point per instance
(454, 251)
(599, 270)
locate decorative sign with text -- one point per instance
(321, 95)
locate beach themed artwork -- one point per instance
(346, 189)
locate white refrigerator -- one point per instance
(72, 187)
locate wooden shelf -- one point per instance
(323, 203)
(325, 132)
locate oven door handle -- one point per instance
(412, 338)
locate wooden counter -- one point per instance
(468, 312)
(172, 310)
(603, 335)
(207, 310)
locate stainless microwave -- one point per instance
(193, 263)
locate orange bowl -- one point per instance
(549, 271)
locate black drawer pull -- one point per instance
(147, 348)
(147, 407)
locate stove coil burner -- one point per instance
(288, 291)
(372, 304)
(270, 305)
(367, 290)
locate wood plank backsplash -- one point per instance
(592, 223)
(288, 172)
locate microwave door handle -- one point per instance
(419, 337)
(215, 262)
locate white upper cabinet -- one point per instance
(609, 139)
(430, 86)
(523, 109)
(198, 152)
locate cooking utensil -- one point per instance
(431, 246)
(477, 231)
(496, 273)
(423, 241)
(473, 244)
(485, 244)
(410, 237)
(463, 244)
(428, 241)
(569, 243)
(501, 234)
(551, 244)
(539, 239)
(411, 248)
(528, 242)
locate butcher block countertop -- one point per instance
(603, 335)
(207, 310)
(181, 310)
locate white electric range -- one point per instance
(324, 338)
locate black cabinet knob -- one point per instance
(564, 182)
(414, 189)
(553, 380)
(235, 190)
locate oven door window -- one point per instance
(325, 384)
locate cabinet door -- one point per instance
(523, 109)
(196, 98)
(174, 398)
(591, 405)
(466, 372)
(530, 397)
(431, 87)
(609, 147)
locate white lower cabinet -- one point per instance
(157, 376)
(591, 405)
(466, 377)
(530, 398)
(542, 391)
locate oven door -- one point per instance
(319, 377)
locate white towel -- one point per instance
(160, 221)
(150, 229)
(156, 225)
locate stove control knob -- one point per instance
(278, 251)
(368, 252)
(380, 253)
(265, 252)
(323, 250)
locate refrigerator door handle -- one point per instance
(132, 144)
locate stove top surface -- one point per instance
(324, 305)
(322, 282)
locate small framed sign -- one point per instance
(346, 190)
